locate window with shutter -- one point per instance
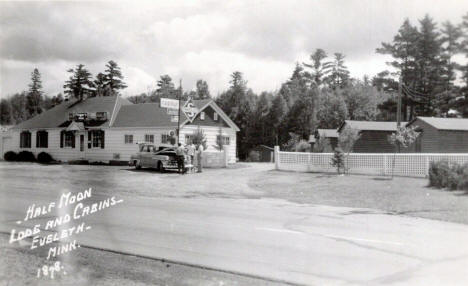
(42, 138)
(25, 139)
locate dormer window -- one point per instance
(81, 116)
(101, 115)
(71, 116)
(215, 116)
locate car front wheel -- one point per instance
(160, 167)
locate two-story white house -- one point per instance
(103, 129)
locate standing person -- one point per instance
(199, 158)
(180, 153)
(191, 152)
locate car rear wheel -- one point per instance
(137, 165)
(160, 167)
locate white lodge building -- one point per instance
(103, 129)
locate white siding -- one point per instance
(115, 140)
(210, 134)
(114, 143)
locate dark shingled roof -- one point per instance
(58, 115)
(459, 124)
(371, 125)
(150, 115)
(143, 115)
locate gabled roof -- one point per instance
(371, 125)
(459, 124)
(329, 133)
(143, 115)
(202, 104)
(58, 115)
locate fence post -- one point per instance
(427, 165)
(385, 165)
(225, 156)
(277, 159)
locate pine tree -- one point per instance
(203, 91)
(317, 66)
(79, 85)
(34, 97)
(166, 88)
(336, 73)
(404, 51)
(114, 78)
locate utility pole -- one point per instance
(178, 119)
(399, 108)
(399, 103)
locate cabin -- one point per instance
(105, 129)
(439, 135)
(330, 134)
(264, 153)
(374, 135)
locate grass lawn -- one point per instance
(85, 266)
(408, 196)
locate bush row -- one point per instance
(26, 156)
(444, 174)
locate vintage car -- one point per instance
(160, 158)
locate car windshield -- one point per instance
(166, 151)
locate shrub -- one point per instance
(302, 146)
(254, 156)
(26, 156)
(44, 157)
(10, 156)
(463, 178)
(438, 173)
(453, 176)
(338, 160)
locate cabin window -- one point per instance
(97, 138)
(202, 115)
(165, 138)
(25, 139)
(188, 138)
(225, 140)
(42, 138)
(215, 116)
(128, 139)
(149, 138)
(69, 139)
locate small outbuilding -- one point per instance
(374, 135)
(330, 134)
(439, 135)
(265, 153)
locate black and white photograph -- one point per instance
(230, 143)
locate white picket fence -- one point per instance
(406, 164)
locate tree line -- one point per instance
(319, 93)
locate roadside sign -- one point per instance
(171, 111)
(169, 103)
(174, 118)
(189, 109)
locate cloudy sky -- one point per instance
(190, 40)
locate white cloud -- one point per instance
(198, 39)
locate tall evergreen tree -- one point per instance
(202, 90)
(165, 88)
(404, 51)
(337, 74)
(317, 66)
(79, 85)
(34, 97)
(114, 77)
